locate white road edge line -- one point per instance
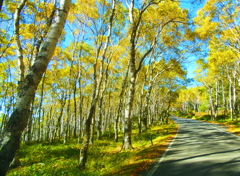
(163, 156)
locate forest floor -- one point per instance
(104, 157)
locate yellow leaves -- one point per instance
(12, 6)
(44, 11)
(58, 51)
(42, 5)
(3, 16)
(167, 39)
(3, 39)
(101, 38)
(215, 17)
(169, 7)
(161, 16)
(3, 67)
(71, 18)
(87, 7)
(163, 12)
(231, 35)
(189, 35)
(220, 28)
(30, 28)
(200, 14)
(10, 52)
(83, 10)
(207, 29)
(31, 8)
(209, 6)
(27, 35)
(221, 52)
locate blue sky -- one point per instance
(192, 8)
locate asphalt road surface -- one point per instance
(200, 149)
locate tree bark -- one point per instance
(84, 149)
(1, 4)
(96, 92)
(127, 139)
(29, 125)
(135, 22)
(230, 99)
(120, 105)
(10, 138)
(40, 113)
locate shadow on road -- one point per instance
(200, 149)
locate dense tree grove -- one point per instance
(217, 25)
(118, 66)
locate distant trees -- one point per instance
(218, 27)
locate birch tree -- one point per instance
(10, 138)
(147, 20)
(104, 44)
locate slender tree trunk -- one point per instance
(10, 138)
(81, 99)
(216, 102)
(235, 103)
(92, 129)
(96, 91)
(75, 110)
(29, 125)
(59, 124)
(50, 125)
(211, 104)
(99, 118)
(141, 115)
(86, 140)
(147, 107)
(224, 100)
(40, 114)
(119, 110)
(68, 119)
(100, 109)
(230, 99)
(127, 140)
(69, 113)
(135, 23)
(120, 105)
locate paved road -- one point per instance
(200, 149)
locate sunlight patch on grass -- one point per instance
(234, 129)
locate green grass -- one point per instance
(104, 158)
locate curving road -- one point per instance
(200, 149)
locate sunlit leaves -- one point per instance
(218, 23)
(86, 7)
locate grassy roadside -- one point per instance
(105, 158)
(232, 126)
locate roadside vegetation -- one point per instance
(105, 157)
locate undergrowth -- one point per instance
(104, 157)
